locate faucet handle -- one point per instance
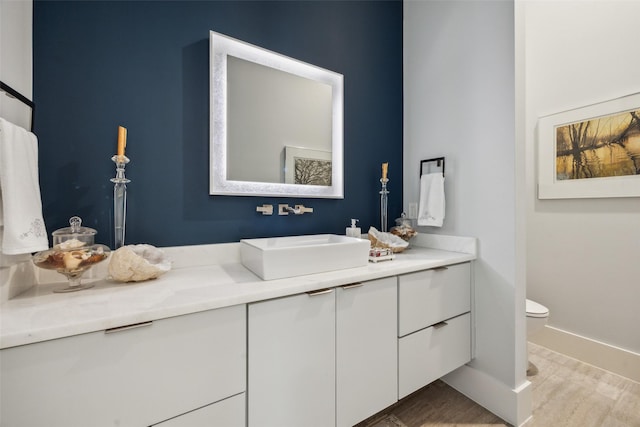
(265, 209)
(301, 209)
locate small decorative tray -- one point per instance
(380, 254)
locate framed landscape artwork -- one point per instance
(591, 152)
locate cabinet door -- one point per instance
(366, 349)
(431, 296)
(291, 375)
(226, 413)
(130, 377)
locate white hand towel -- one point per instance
(431, 207)
(22, 228)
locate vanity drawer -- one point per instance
(428, 297)
(127, 377)
(427, 355)
(228, 413)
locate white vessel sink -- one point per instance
(280, 257)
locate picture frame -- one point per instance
(591, 151)
(307, 166)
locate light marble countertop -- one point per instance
(203, 278)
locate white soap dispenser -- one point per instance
(354, 231)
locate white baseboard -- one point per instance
(610, 358)
(512, 405)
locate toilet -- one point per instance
(537, 315)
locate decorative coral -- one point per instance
(135, 263)
(381, 239)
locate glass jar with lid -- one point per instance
(73, 253)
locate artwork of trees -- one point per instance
(312, 171)
(601, 147)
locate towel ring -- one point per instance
(439, 162)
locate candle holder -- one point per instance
(119, 199)
(384, 193)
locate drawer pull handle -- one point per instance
(440, 268)
(440, 325)
(319, 292)
(127, 327)
(352, 285)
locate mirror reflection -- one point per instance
(276, 124)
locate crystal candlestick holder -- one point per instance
(119, 200)
(384, 196)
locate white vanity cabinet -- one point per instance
(291, 369)
(434, 327)
(324, 358)
(135, 376)
(331, 357)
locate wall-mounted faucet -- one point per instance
(298, 210)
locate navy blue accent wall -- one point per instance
(145, 65)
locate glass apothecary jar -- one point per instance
(73, 253)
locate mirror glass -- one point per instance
(276, 124)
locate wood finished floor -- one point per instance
(566, 393)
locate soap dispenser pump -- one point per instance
(354, 231)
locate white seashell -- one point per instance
(135, 263)
(70, 244)
(386, 240)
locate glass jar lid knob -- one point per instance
(75, 222)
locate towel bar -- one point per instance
(439, 161)
(12, 93)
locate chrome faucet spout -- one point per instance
(298, 210)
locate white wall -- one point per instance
(16, 58)
(16, 71)
(460, 102)
(583, 255)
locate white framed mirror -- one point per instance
(276, 124)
